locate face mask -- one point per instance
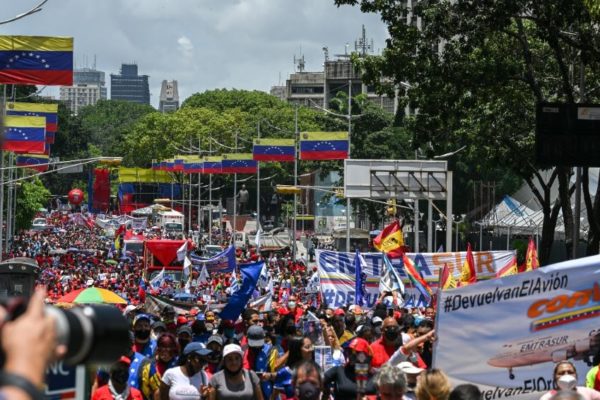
(308, 391)
(566, 382)
(391, 335)
(291, 304)
(120, 377)
(142, 334)
(214, 358)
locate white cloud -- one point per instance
(185, 46)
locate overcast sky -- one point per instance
(203, 44)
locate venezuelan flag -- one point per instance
(48, 111)
(324, 145)
(36, 60)
(239, 163)
(178, 164)
(25, 134)
(192, 166)
(38, 162)
(416, 279)
(274, 150)
(212, 165)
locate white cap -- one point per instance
(128, 309)
(409, 368)
(232, 348)
(377, 320)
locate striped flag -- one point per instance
(212, 165)
(531, 257)
(420, 284)
(48, 111)
(281, 150)
(25, 134)
(37, 162)
(324, 145)
(238, 163)
(468, 274)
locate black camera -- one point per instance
(91, 333)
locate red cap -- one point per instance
(397, 315)
(340, 311)
(125, 360)
(360, 345)
(181, 320)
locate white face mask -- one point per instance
(566, 382)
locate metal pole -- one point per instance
(234, 227)
(508, 239)
(258, 185)
(348, 201)
(429, 226)
(449, 216)
(9, 198)
(296, 134)
(199, 217)
(577, 216)
(480, 237)
(210, 202)
(3, 112)
(189, 204)
(417, 225)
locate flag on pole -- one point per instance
(468, 274)
(203, 278)
(212, 165)
(239, 163)
(158, 280)
(391, 281)
(24, 134)
(192, 166)
(238, 300)
(45, 110)
(37, 162)
(390, 240)
(182, 252)
(187, 268)
(420, 284)
(274, 150)
(269, 290)
(263, 279)
(531, 257)
(234, 284)
(447, 280)
(36, 60)
(324, 145)
(257, 238)
(361, 278)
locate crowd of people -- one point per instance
(293, 347)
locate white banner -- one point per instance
(506, 334)
(337, 273)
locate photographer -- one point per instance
(29, 344)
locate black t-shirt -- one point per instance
(343, 380)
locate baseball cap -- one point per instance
(198, 348)
(216, 339)
(377, 320)
(141, 317)
(184, 329)
(256, 336)
(340, 311)
(129, 309)
(409, 368)
(159, 325)
(232, 348)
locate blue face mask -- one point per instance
(228, 332)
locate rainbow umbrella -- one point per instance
(92, 295)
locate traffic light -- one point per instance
(391, 208)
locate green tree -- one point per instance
(224, 99)
(31, 196)
(476, 70)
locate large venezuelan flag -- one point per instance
(36, 60)
(48, 111)
(239, 163)
(212, 165)
(192, 166)
(274, 150)
(24, 134)
(324, 145)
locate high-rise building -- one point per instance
(88, 87)
(169, 97)
(78, 96)
(130, 86)
(91, 76)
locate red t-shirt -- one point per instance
(103, 393)
(381, 352)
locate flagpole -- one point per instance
(199, 186)
(9, 199)
(3, 113)
(210, 200)
(258, 185)
(296, 134)
(233, 228)
(348, 202)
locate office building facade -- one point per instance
(129, 86)
(78, 96)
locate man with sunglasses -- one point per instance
(390, 340)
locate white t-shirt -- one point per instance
(184, 387)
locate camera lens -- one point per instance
(97, 334)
